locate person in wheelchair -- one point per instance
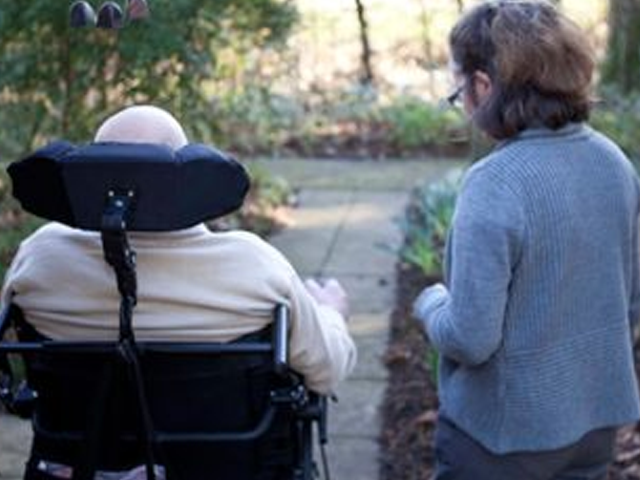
(194, 285)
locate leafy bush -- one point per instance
(58, 81)
(427, 223)
(618, 117)
(425, 227)
(15, 224)
(353, 122)
(254, 119)
(413, 122)
(264, 210)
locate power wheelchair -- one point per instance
(184, 411)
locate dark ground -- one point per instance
(410, 404)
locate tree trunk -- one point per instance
(67, 85)
(366, 76)
(622, 66)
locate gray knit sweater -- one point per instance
(543, 291)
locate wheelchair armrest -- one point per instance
(279, 340)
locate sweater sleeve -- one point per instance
(321, 347)
(634, 301)
(11, 278)
(484, 246)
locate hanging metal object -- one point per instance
(110, 16)
(137, 9)
(81, 14)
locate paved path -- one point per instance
(345, 217)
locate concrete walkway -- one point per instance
(344, 227)
(343, 222)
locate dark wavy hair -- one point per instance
(540, 64)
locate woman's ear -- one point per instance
(482, 85)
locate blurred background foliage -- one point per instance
(348, 78)
(337, 78)
(59, 81)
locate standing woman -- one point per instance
(535, 324)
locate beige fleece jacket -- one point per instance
(193, 285)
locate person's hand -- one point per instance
(430, 298)
(329, 293)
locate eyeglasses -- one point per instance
(453, 97)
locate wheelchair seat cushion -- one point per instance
(170, 189)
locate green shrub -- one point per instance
(427, 223)
(425, 227)
(413, 123)
(264, 210)
(618, 117)
(352, 121)
(59, 82)
(255, 119)
(15, 224)
(433, 365)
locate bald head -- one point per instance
(142, 124)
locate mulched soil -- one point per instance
(369, 146)
(357, 142)
(410, 404)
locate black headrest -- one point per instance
(172, 189)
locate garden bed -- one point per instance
(410, 404)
